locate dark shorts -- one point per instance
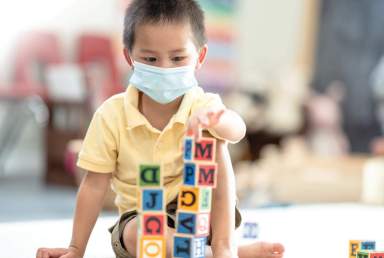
(118, 228)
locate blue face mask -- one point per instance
(163, 85)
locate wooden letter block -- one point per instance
(250, 230)
(151, 247)
(367, 245)
(186, 223)
(354, 247)
(152, 199)
(182, 246)
(188, 149)
(190, 174)
(189, 247)
(205, 200)
(153, 224)
(149, 176)
(202, 224)
(188, 199)
(205, 150)
(207, 175)
(198, 247)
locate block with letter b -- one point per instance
(151, 247)
(189, 247)
(151, 199)
(150, 176)
(194, 199)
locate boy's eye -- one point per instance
(150, 59)
(178, 58)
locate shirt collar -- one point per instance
(135, 118)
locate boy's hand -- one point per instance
(58, 253)
(204, 118)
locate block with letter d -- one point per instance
(194, 199)
(151, 247)
(150, 176)
(151, 199)
(189, 247)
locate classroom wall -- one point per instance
(274, 36)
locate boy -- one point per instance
(164, 43)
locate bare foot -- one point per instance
(261, 250)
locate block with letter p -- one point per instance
(151, 247)
(189, 247)
(194, 199)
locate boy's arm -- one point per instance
(223, 123)
(90, 199)
(223, 207)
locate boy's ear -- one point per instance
(127, 56)
(202, 56)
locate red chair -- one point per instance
(97, 49)
(34, 52)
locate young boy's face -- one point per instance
(165, 45)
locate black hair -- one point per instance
(141, 12)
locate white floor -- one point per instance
(306, 231)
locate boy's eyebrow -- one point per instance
(148, 51)
(178, 50)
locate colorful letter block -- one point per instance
(188, 149)
(189, 247)
(250, 230)
(203, 224)
(152, 199)
(369, 254)
(149, 176)
(194, 199)
(204, 150)
(153, 224)
(151, 247)
(357, 245)
(186, 223)
(207, 175)
(190, 177)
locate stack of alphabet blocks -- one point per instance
(194, 204)
(151, 240)
(363, 249)
(195, 198)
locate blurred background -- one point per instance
(307, 77)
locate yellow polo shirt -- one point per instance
(120, 138)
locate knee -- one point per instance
(130, 236)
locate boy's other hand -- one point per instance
(204, 118)
(57, 253)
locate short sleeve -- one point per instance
(99, 149)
